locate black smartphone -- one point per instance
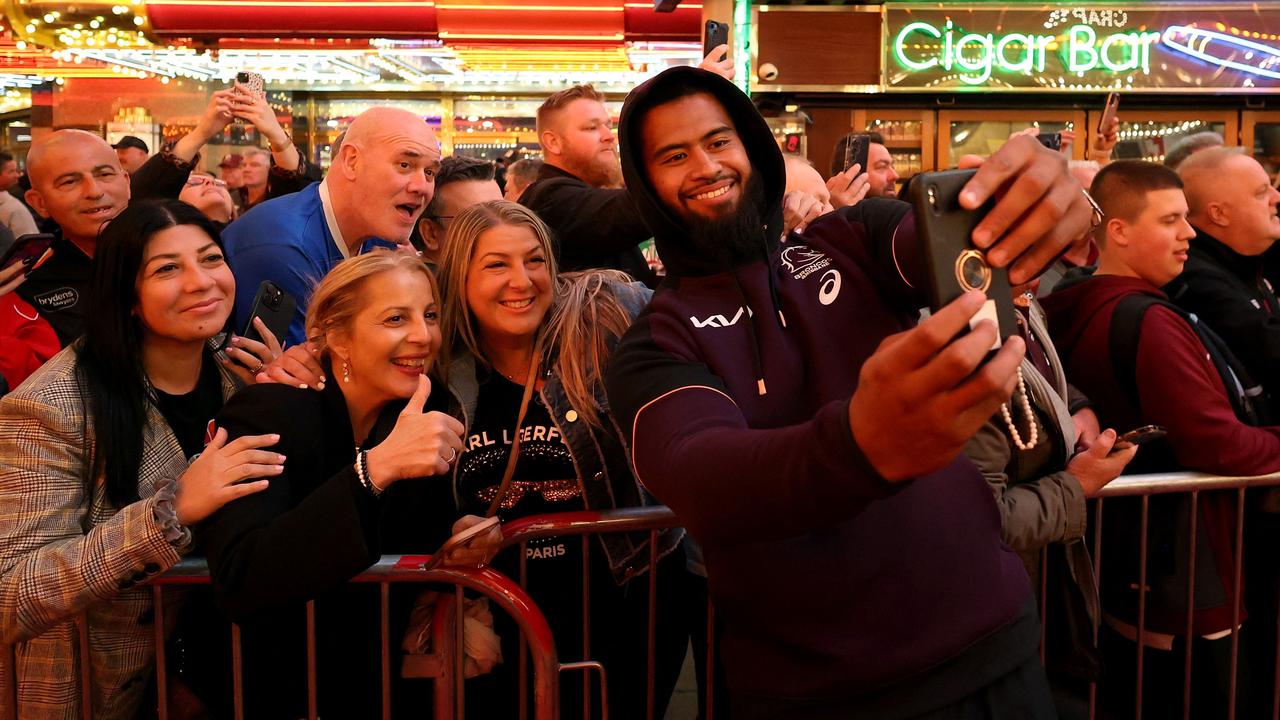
(857, 148)
(1109, 110)
(276, 308)
(714, 35)
(1138, 436)
(1053, 141)
(955, 265)
(31, 250)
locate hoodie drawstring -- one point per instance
(757, 363)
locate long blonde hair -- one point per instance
(585, 320)
(338, 297)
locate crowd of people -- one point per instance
(868, 491)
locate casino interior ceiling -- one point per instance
(454, 45)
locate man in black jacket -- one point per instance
(579, 194)
(1233, 210)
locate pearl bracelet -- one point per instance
(362, 473)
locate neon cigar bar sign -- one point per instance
(1224, 47)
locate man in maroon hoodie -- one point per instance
(1161, 372)
(779, 400)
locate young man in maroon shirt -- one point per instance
(1160, 371)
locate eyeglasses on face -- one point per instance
(198, 180)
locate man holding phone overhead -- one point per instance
(779, 400)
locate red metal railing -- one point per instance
(536, 634)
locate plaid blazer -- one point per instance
(62, 553)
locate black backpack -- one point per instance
(1246, 396)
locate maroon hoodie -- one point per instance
(1180, 390)
(834, 584)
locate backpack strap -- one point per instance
(1126, 324)
(1126, 327)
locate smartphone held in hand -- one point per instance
(251, 83)
(715, 34)
(1053, 141)
(955, 265)
(276, 308)
(30, 250)
(1138, 436)
(460, 540)
(857, 149)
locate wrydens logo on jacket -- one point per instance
(720, 321)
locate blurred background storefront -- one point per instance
(940, 80)
(475, 70)
(937, 80)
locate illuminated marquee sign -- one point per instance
(1222, 47)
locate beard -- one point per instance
(599, 170)
(738, 236)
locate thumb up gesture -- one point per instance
(420, 444)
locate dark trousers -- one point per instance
(1162, 678)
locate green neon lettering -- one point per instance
(976, 56)
(947, 53)
(899, 45)
(1042, 50)
(1126, 41)
(1028, 53)
(980, 64)
(1081, 55)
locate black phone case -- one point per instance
(277, 319)
(943, 229)
(857, 151)
(715, 34)
(27, 246)
(1053, 141)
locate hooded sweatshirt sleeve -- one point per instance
(1203, 429)
(692, 448)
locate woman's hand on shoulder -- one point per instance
(247, 359)
(298, 366)
(218, 476)
(421, 443)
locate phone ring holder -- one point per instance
(972, 270)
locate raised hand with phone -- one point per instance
(249, 103)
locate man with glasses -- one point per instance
(461, 183)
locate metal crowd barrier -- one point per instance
(538, 647)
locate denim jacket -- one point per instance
(600, 456)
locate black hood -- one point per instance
(669, 231)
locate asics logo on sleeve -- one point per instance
(829, 290)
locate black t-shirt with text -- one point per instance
(545, 480)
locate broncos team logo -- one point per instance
(800, 257)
